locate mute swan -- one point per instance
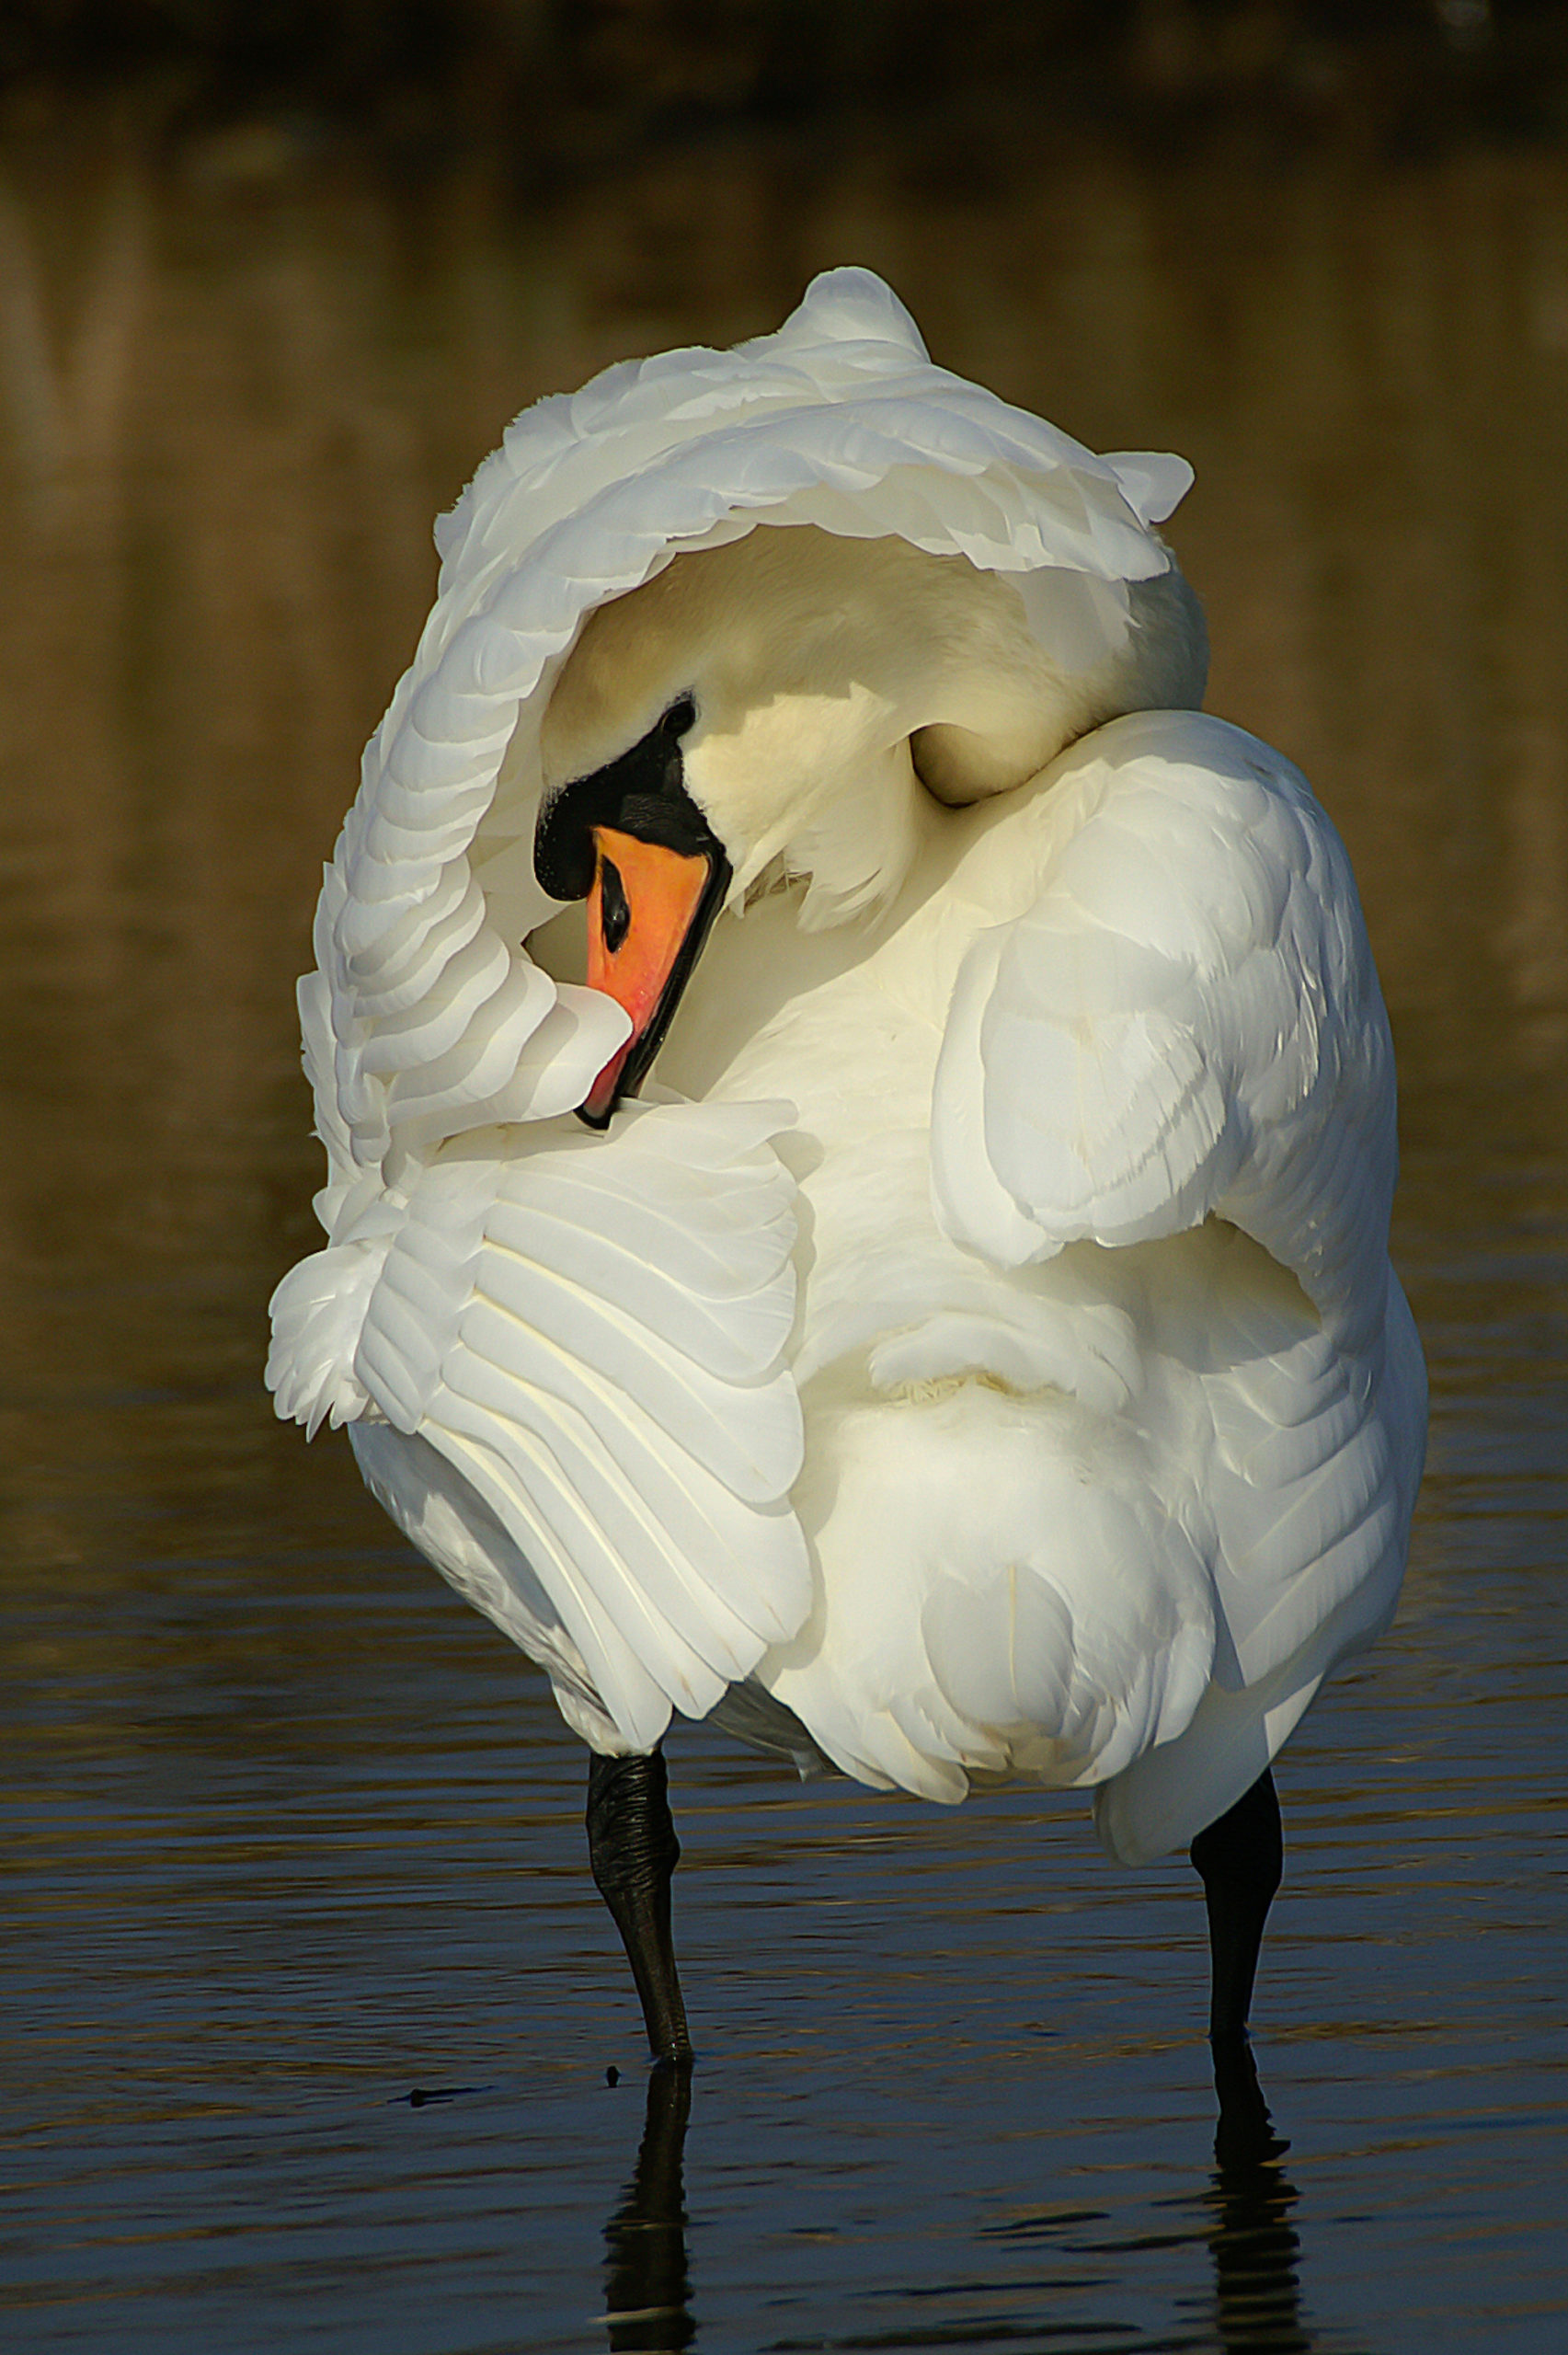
(977, 1355)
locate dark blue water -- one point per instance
(293, 1837)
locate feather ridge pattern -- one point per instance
(627, 1418)
(1184, 1025)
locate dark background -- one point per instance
(557, 91)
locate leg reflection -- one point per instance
(646, 2285)
(1257, 2291)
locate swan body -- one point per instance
(972, 1352)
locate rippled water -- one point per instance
(295, 1837)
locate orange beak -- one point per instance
(643, 917)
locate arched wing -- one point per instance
(426, 1019)
(430, 1017)
(1186, 1023)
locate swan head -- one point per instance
(800, 704)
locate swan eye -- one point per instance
(678, 717)
(615, 914)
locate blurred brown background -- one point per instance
(272, 280)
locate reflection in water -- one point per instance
(646, 2285)
(1245, 2219)
(1256, 2252)
(1251, 2239)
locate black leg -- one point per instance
(1244, 2138)
(633, 1849)
(1241, 1858)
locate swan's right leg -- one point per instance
(1241, 1858)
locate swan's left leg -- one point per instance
(633, 1852)
(1241, 1858)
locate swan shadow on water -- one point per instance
(1254, 2246)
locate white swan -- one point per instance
(979, 1356)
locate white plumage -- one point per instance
(979, 1355)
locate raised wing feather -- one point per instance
(600, 1359)
(1187, 1023)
